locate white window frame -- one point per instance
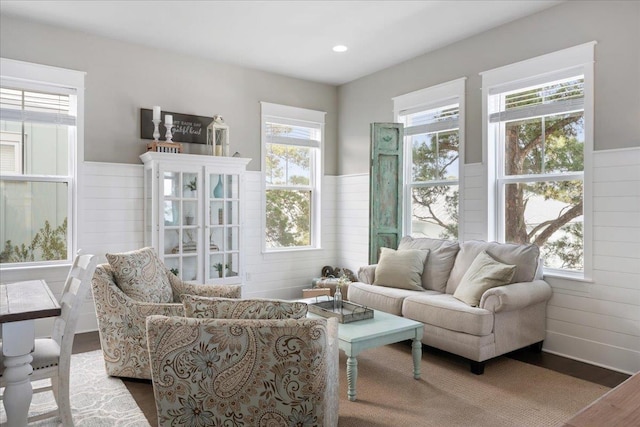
(31, 76)
(295, 116)
(452, 92)
(577, 60)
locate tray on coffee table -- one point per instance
(350, 312)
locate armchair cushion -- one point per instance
(401, 269)
(483, 273)
(226, 308)
(141, 275)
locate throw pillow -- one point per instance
(228, 308)
(401, 269)
(483, 273)
(141, 275)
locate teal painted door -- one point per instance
(385, 188)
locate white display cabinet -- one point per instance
(193, 214)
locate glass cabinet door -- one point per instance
(223, 229)
(180, 216)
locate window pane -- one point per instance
(43, 149)
(288, 165)
(290, 131)
(434, 211)
(34, 221)
(549, 214)
(434, 156)
(288, 218)
(548, 144)
(424, 157)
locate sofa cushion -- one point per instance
(524, 257)
(231, 308)
(141, 275)
(381, 298)
(442, 254)
(444, 311)
(401, 269)
(483, 273)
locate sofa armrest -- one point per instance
(367, 274)
(515, 296)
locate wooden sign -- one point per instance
(186, 128)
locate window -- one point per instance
(539, 128)
(38, 137)
(292, 141)
(433, 121)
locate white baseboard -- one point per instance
(591, 352)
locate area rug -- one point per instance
(509, 394)
(97, 400)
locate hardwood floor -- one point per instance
(142, 390)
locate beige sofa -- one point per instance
(506, 318)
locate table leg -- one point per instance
(17, 345)
(416, 351)
(352, 377)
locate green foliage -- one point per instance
(288, 218)
(192, 185)
(48, 244)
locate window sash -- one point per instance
(310, 121)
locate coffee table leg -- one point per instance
(416, 351)
(352, 376)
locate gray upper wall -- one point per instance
(614, 25)
(122, 78)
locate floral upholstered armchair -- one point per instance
(131, 287)
(275, 367)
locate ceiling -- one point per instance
(292, 38)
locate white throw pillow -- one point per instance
(483, 273)
(401, 269)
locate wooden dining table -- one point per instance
(20, 304)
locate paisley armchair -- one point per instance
(273, 368)
(121, 319)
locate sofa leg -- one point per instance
(477, 367)
(536, 347)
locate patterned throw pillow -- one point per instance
(141, 275)
(226, 308)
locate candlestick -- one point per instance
(156, 131)
(168, 119)
(156, 112)
(168, 125)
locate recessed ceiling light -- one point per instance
(340, 48)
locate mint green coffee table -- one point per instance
(383, 329)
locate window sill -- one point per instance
(34, 267)
(289, 250)
(575, 277)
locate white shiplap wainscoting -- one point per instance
(284, 274)
(599, 322)
(110, 217)
(353, 221)
(475, 202)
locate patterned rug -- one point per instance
(97, 400)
